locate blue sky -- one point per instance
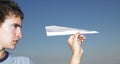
(100, 15)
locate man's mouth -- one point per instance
(15, 41)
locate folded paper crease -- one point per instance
(60, 30)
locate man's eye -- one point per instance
(15, 26)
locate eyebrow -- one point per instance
(17, 25)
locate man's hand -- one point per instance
(74, 41)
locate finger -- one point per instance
(81, 38)
(70, 39)
(76, 36)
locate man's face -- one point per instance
(10, 32)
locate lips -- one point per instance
(15, 41)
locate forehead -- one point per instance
(13, 19)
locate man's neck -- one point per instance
(2, 53)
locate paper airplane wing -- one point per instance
(59, 30)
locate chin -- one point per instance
(11, 48)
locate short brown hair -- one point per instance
(8, 8)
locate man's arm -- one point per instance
(74, 41)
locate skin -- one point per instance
(10, 32)
(74, 41)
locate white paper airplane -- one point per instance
(59, 30)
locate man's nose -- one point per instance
(19, 34)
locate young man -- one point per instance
(11, 18)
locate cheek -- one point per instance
(6, 40)
(7, 36)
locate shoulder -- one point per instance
(23, 60)
(20, 59)
(12, 59)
